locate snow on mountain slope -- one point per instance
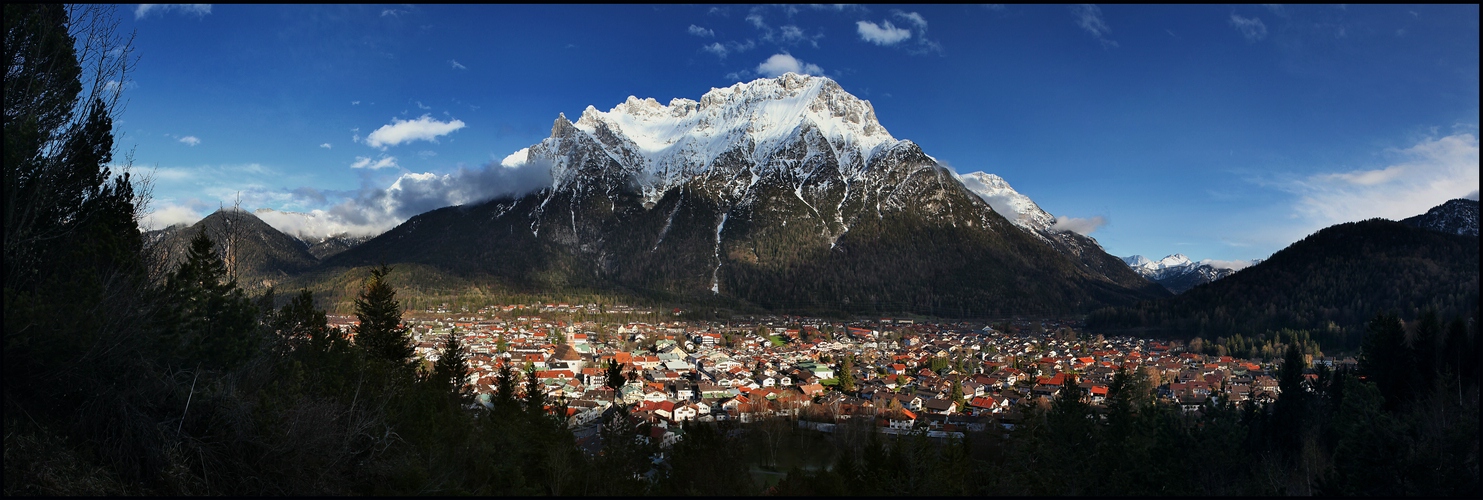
(1016, 207)
(660, 146)
(1178, 273)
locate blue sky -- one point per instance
(1220, 132)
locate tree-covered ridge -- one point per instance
(1328, 283)
(257, 255)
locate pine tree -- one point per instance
(305, 326)
(451, 369)
(381, 332)
(208, 319)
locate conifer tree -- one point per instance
(846, 374)
(207, 318)
(451, 369)
(381, 332)
(614, 376)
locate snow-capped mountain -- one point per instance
(1178, 273)
(1459, 216)
(1016, 207)
(659, 147)
(783, 192)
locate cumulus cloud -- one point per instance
(399, 131)
(376, 164)
(454, 63)
(1078, 225)
(1252, 28)
(881, 34)
(784, 63)
(1089, 18)
(326, 145)
(190, 140)
(1423, 176)
(699, 31)
(196, 9)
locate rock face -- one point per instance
(784, 193)
(1459, 216)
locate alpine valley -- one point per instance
(782, 193)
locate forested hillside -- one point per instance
(1329, 283)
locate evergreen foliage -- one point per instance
(1328, 283)
(381, 332)
(123, 380)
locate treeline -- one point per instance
(1328, 283)
(122, 379)
(1406, 423)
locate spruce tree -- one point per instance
(207, 320)
(381, 332)
(452, 368)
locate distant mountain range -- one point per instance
(1330, 283)
(1177, 272)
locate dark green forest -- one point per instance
(1329, 284)
(123, 379)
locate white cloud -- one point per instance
(699, 31)
(375, 210)
(1251, 28)
(731, 47)
(757, 22)
(401, 131)
(881, 34)
(1424, 175)
(355, 103)
(326, 145)
(427, 154)
(912, 17)
(515, 159)
(1234, 265)
(197, 9)
(169, 215)
(456, 65)
(910, 35)
(784, 63)
(376, 164)
(190, 140)
(1089, 18)
(1077, 225)
(422, 107)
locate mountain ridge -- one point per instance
(775, 192)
